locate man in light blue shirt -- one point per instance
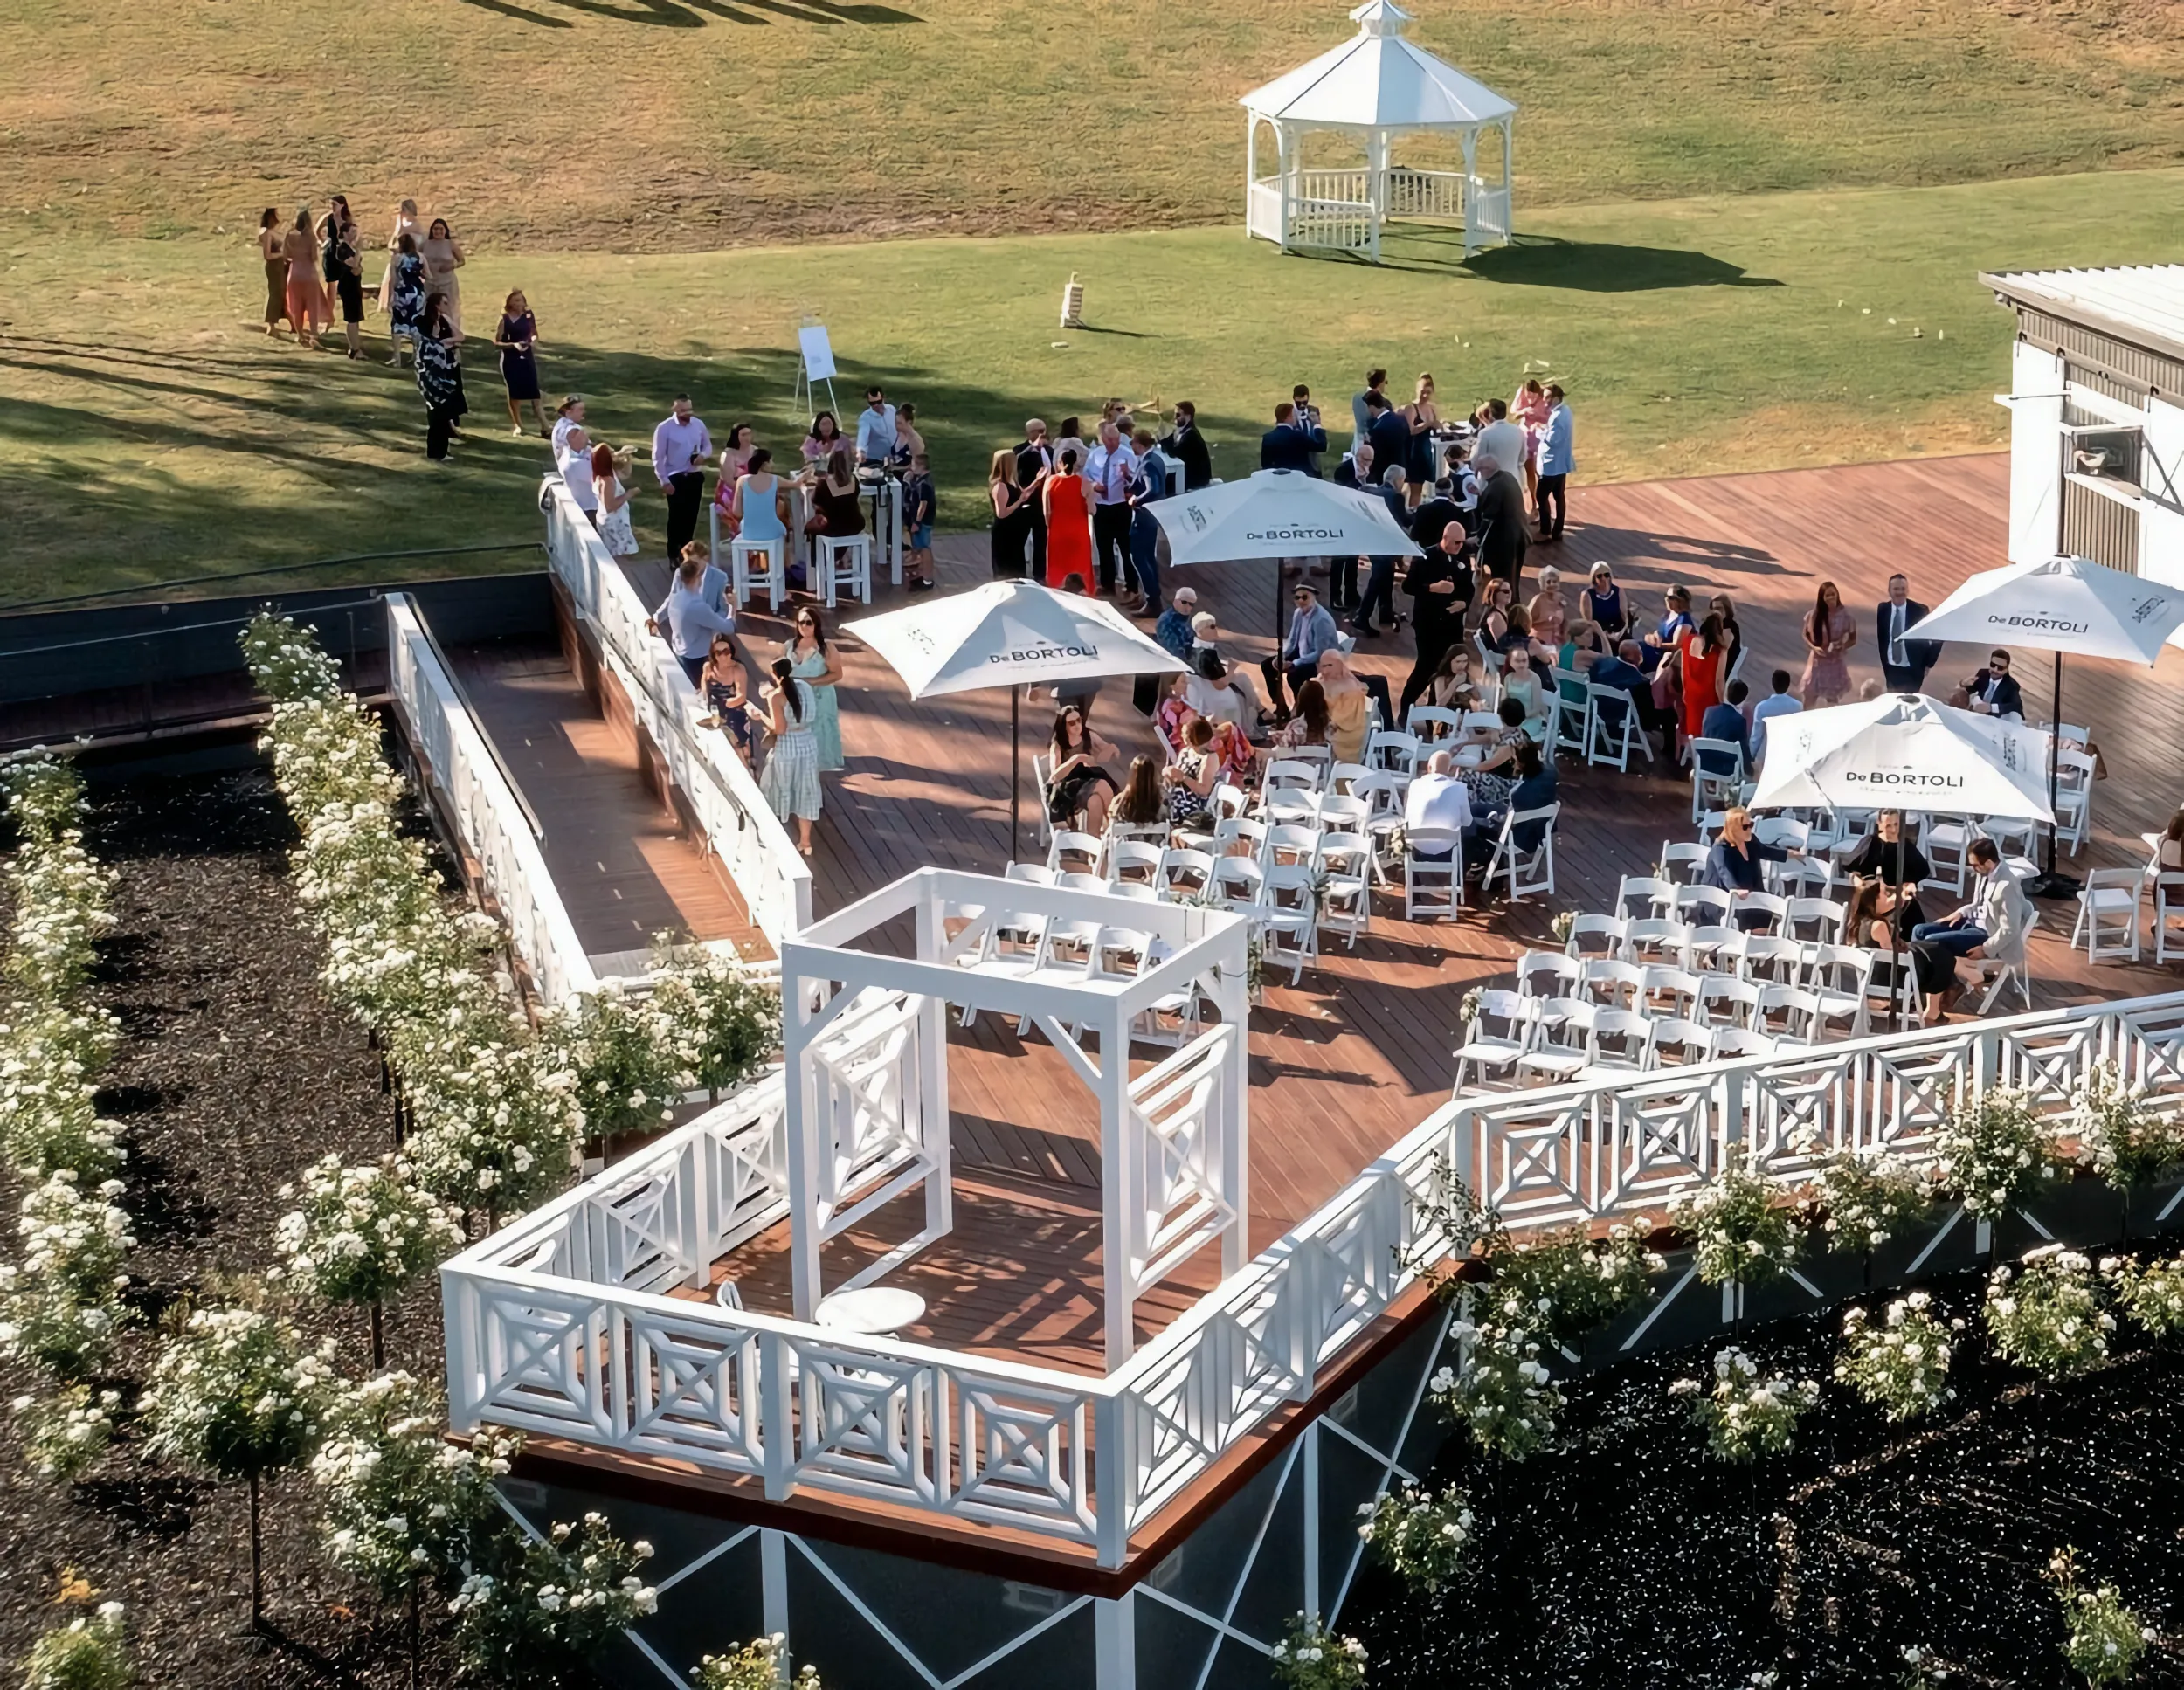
(1555, 464)
(875, 429)
(693, 612)
(1311, 636)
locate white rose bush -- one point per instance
(1310, 1657)
(2150, 1292)
(1900, 1362)
(1746, 1414)
(1992, 1151)
(541, 1609)
(238, 1395)
(2046, 1313)
(63, 1435)
(1499, 1390)
(87, 1653)
(2123, 1134)
(1424, 1538)
(2104, 1637)
(360, 1233)
(759, 1664)
(60, 1306)
(1864, 1198)
(1742, 1234)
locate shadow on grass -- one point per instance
(1548, 261)
(669, 14)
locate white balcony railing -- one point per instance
(560, 1322)
(484, 810)
(738, 823)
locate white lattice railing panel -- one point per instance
(1174, 1109)
(531, 1343)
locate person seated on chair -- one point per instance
(1438, 801)
(1312, 635)
(1534, 789)
(1190, 778)
(1079, 785)
(1674, 623)
(1724, 720)
(2168, 856)
(1143, 803)
(1495, 775)
(1993, 691)
(1625, 672)
(1895, 868)
(1737, 864)
(1993, 923)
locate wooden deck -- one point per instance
(625, 865)
(1346, 1064)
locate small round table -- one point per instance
(873, 1312)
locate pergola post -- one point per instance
(1122, 1217)
(1509, 180)
(1377, 183)
(1285, 167)
(1251, 169)
(932, 1064)
(1233, 995)
(802, 1132)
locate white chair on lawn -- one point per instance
(1498, 1036)
(1241, 836)
(1339, 814)
(1527, 869)
(2108, 914)
(1291, 845)
(1561, 1041)
(1683, 862)
(1549, 974)
(1289, 919)
(1433, 874)
(2168, 915)
(1383, 800)
(1613, 733)
(771, 573)
(1596, 935)
(845, 565)
(1343, 778)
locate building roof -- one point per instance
(1379, 79)
(2139, 303)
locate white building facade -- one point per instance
(2097, 417)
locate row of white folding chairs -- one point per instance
(1641, 897)
(1830, 988)
(1557, 1040)
(1053, 949)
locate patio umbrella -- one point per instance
(2062, 605)
(1013, 634)
(1904, 750)
(1278, 514)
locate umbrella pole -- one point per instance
(1016, 764)
(2049, 883)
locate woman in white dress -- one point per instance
(790, 780)
(405, 223)
(614, 519)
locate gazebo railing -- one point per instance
(1262, 209)
(1435, 193)
(1488, 217)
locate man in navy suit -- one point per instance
(1389, 434)
(1904, 661)
(1288, 447)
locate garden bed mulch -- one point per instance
(1625, 1556)
(234, 1073)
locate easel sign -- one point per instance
(815, 364)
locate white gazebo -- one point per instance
(1374, 89)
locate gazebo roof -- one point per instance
(1379, 79)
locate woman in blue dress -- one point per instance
(817, 664)
(517, 337)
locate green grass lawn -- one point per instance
(151, 433)
(693, 125)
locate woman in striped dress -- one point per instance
(791, 781)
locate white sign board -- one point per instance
(819, 352)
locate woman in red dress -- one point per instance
(1700, 653)
(1068, 500)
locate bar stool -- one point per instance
(774, 576)
(845, 562)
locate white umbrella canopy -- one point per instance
(1009, 633)
(1280, 513)
(1907, 751)
(1013, 634)
(2067, 605)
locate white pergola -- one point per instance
(1374, 89)
(866, 1048)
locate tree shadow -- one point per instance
(1606, 267)
(668, 14)
(159, 1507)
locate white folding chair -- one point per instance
(1727, 1002)
(1637, 896)
(1570, 708)
(1343, 778)
(2002, 972)
(1185, 875)
(1241, 836)
(1432, 874)
(1618, 1042)
(1717, 951)
(1138, 891)
(2108, 914)
(1395, 752)
(1012, 947)
(1701, 906)
(1498, 1036)
(1072, 853)
(1612, 732)
(1769, 957)
(1227, 801)
(1840, 978)
(1784, 830)
(1528, 869)
(1289, 919)
(1669, 992)
(1610, 982)
(1611, 935)
(1291, 845)
(1240, 884)
(1683, 862)
(1787, 1012)
(1761, 912)
(1671, 1042)
(1659, 941)
(1042, 779)
(1719, 787)
(1815, 920)
(1428, 723)
(1561, 1040)
(1133, 862)
(1740, 1042)
(2073, 798)
(2168, 915)
(1549, 974)
(1344, 870)
(1800, 877)
(1943, 842)
(1338, 814)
